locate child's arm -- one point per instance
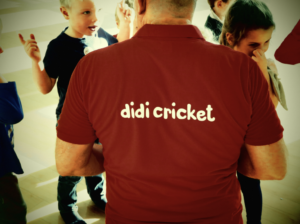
(41, 78)
(124, 13)
(261, 60)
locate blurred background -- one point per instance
(35, 135)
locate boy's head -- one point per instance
(249, 25)
(220, 7)
(130, 5)
(83, 16)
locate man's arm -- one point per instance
(41, 78)
(78, 160)
(267, 162)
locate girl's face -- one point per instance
(255, 39)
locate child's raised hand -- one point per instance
(261, 60)
(124, 12)
(31, 48)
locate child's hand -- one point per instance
(261, 60)
(124, 12)
(272, 66)
(31, 48)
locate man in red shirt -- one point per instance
(172, 112)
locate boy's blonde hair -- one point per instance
(66, 3)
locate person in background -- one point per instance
(62, 55)
(289, 50)
(173, 125)
(248, 28)
(215, 20)
(103, 39)
(124, 22)
(13, 208)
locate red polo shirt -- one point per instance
(172, 112)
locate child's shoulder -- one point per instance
(59, 41)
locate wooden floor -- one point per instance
(281, 198)
(35, 135)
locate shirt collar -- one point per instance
(72, 39)
(213, 15)
(171, 31)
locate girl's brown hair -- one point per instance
(243, 16)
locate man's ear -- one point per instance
(230, 39)
(65, 12)
(141, 6)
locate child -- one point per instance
(63, 54)
(123, 20)
(215, 20)
(248, 28)
(12, 206)
(289, 50)
(104, 39)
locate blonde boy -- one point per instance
(62, 55)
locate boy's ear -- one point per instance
(218, 3)
(65, 12)
(230, 39)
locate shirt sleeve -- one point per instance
(264, 127)
(289, 51)
(11, 111)
(74, 125)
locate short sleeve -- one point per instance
(11, 111)
(74, 125)
(289, 50)
(54, 60)
(264, 127)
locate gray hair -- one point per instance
(182, 3)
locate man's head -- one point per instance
(163, 12)
(220, 7)
(83, 16)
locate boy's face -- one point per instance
(255, 39)
(83, 17)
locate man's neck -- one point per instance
(168, 21)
